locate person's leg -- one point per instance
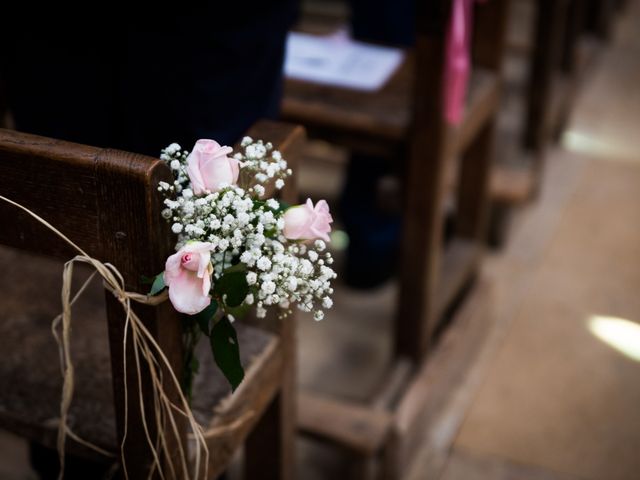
(193, 78)
(383, 21)
(373, 229)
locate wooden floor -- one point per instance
(547, 400)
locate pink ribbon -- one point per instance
(458, 60)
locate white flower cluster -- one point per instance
(246, 233)
(176, 158)
(262, 163)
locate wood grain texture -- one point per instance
(30, 408)
(558, 54)
(270, 449)
(475, 185)
(36, 174)
(107, 201)
(481, 106)
(546, 60)
(490, 33)
(511, 185)
(404, 121)
(134, 237)
(460, 263)
(424, 186)
(437, 378)
(384, 113)
(358, 428)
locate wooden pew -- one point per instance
(559, 55)
(404, 121)
(107, 202)
(601, 16)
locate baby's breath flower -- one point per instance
(252, 277)
(292, 283)
(242, 229)
(247, 258)
(268, 287)
(263, 263)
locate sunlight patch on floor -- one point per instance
(583, 143)
(619, 333)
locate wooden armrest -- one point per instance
(482, 102)
(459, 263)
(358, 428)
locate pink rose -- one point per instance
(306, 222)
(209, 167)
(187, 273)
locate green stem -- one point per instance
(190, 367)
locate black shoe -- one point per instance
(372, 254)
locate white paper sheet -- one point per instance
(340, 61)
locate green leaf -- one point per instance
(232, 288)
(191, 368)
(158, 284)
(205, 316)
(226, 351)
(283, 206)
(271, 233)
(238, 312)
(238, 267)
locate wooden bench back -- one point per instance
(106, 201)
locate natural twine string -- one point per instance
(156, 362)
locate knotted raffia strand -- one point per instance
(145, 345)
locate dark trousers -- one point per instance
(141, 84)
(374, 231)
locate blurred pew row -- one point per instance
(459, 185)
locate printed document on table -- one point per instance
(340, 61)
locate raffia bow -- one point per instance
(144, 345)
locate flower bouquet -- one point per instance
(237, 249)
